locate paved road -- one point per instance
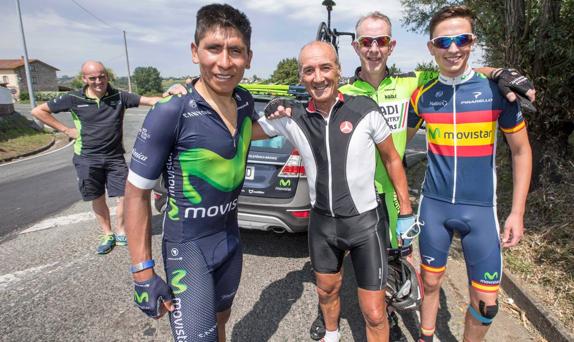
(44, 185)
(53, 287)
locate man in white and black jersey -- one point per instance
(337, 136)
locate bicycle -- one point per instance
(325, 33)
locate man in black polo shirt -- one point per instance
(98, 113)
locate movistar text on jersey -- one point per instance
(215, 210)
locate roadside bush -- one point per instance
(42, 95)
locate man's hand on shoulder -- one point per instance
(280, 107)
(175, 89)
(511, 83)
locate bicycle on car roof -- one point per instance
(325, 33)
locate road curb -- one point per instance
(543, 320)
(38, 150)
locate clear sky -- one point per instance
(159, 32)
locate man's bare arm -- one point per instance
(42, 112)
(396, 172)
(137, 216)
(521, 173)
(258, 133)
(148, 101)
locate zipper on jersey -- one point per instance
(329, 165)
(454, 141)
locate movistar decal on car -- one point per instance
(396, 114)
(284, 185)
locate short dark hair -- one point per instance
(449, 12)
(222, 16)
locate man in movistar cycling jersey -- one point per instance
(462, 110)
(199, 142)
(335, 135)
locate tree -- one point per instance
(147, 80)
(536, 37)
(394, 70)
(78, 81)
(427, 66)
(287, 72)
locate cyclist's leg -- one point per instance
(327, 260)
(227, 277)
(367, 245)
(434, 244)
(484, 265)
(116, 176)
(192, 284)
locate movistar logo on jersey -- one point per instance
(434, 133)
(172, 210)
(221, 173)
(490, 276)
(175, 283)
(141, 297)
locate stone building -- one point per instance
(13, 76)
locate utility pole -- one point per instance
(27, 66)
(128, 63)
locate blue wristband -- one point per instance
(142, 266)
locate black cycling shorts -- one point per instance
(204, 276)
(363, 235)
(96, 174)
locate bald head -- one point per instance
(93, 67)
(318, 47)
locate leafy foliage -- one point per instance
(534, 36)
(286, 72)
(394, 70)
(147, 80)
(427, 66)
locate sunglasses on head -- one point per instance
(93, 78)
(367, 41)
(460, 40)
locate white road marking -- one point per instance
(38, 155)
(63, 221)
(6, 279)
(30, 273)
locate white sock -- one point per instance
(332, 336)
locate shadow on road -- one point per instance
(263, 320)
(270, 244)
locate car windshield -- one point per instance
(277, 144)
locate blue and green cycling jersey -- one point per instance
(393, 97)
(202, 163)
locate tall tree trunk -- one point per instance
(515, 19)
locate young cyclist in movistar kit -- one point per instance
(199, 142)
(463, 110)
(374, 45)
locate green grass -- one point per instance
(17, 136)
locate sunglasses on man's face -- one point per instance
(460, 40)
(94, 78)
(367, 41)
